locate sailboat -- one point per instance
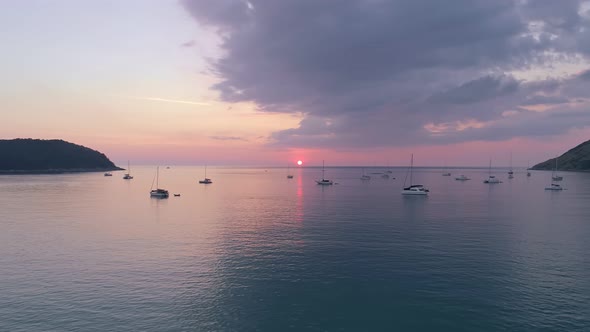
(158, 193)
(324, 181)
(127, 175)
(528, 172)
(556, 177)
(289, 175)
(364, 176)
(206, 180)
(462, 178)
(510, 172)
(491, 178)
(445, 172)
(413, 189)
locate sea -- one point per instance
(255, 251)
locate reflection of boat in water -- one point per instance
(158, 193)
(324, 181)
(462, 178)
(413, 189)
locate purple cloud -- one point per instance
(378, 72)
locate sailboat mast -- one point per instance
(411, 167)
(157, 177)
(490, 169)
(323, 170)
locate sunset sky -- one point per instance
(266, 82)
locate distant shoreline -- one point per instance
(58, 171)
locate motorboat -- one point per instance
(108, 174)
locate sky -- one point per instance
(266, 82)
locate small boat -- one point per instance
(364, 176)
(324, 181)
(445, 171)
(446, 174)
(206, 180)
(511, 172)
(492, 179)
(385, 176)
(289, 175)
(528, 173)
(462, 178)
(554, 187)
(176, 195)
(413, 189)
(108, 174)
(127, 175)
(158, 193)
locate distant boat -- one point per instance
(554, 187)
(127, 175)
(108, 174)
(491, 178)
(289, 175)
(364, 176)
(528, 173)
(158, 193)
(554, 176)
(176, 195)
(445, 172)
(413, 189)
(510, 172)
(206, 180)
(385, 176)
(324, 181)
(462, 178)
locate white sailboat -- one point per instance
(510, 172)
(413, 189)
(445, 172)
(528, 172)
(462, 178)
(554, 176)
(206, 180)
(158, 193)
(324, 181)
(364, 176)
(492, 179)
(127, 175)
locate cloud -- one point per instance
(378, 72)
(188, 44)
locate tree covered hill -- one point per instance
(576, 159)
(50, 156)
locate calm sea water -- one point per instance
(255, 251)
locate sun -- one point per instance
(299, 162)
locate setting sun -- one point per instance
(299, 162)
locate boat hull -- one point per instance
(414, 193)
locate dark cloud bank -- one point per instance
(386, 73)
